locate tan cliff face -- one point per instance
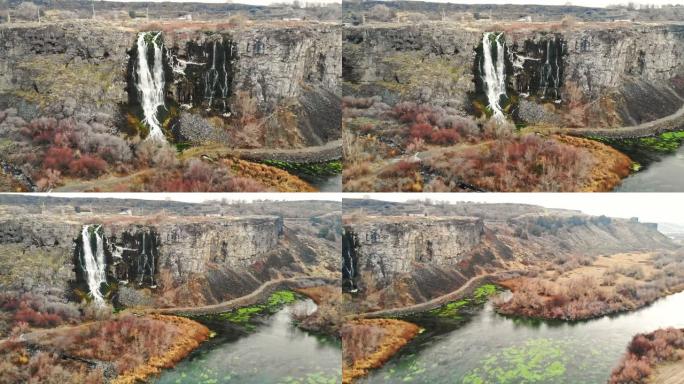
(630, 63)
(84, 69)
(401, 260)
(181, 247)
(389, 246)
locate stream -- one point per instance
(661, 176)
(490, 348)
(274, 351)
(328, 184)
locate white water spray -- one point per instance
(494, 77)
(151, 85)
(94, 264)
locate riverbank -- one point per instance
(517, 348)
(121, 350)
(369, 343)
(610, 167)
(656, 357)
(191, 335)
(607, 285)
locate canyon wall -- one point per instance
(85, 70)
(438, 63)
(387, 246)
(139, 249)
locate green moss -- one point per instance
(243, 316)
(453, 310)
(310, 170)
(437, 73)
(664, 143)
(537, 361)
(56, 79)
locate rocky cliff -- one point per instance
(392, 245)
(86, 70)
(143, 252)
(438, 63)
(408, 259)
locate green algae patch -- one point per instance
(243, 316)
(537, 361)
(454, 309)
(308, 170)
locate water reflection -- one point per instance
(494, 348)
(276, 352)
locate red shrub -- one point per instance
(58, 158)
(445, 136)
(421, 131)
(88, 166)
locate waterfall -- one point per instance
(94, 264)
(150, 84)
(146, 261)
(217, 78)
(549, 75)
(494, 76)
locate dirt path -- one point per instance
(249, 299)
(671, 373)
(329, 151)
(458, 294)
(669, 123)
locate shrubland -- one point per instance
(55, 152)
(645, 352)
(579, 296)
(421, 147)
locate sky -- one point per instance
(648, 207)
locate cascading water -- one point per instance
(93, 264)
(493, 74)
(216, 78)
(150, 83)
(146, 261)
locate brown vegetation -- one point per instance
(369, 343)
(328, 315)
(587, 292)
(135, 346)
(458, 153)
(645, 352)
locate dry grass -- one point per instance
(602, 286)
(645, 352)
(369, 343)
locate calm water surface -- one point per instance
(275, 352)
(490, 348)
(661, 176)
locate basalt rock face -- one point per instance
(630, 64)
(392, 246)
(87, 70)
(138, 252)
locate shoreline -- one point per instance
(194, 334)
(397, 333)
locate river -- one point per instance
(490, 348)
(328, 184)
(276, 351)
(660, 176)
